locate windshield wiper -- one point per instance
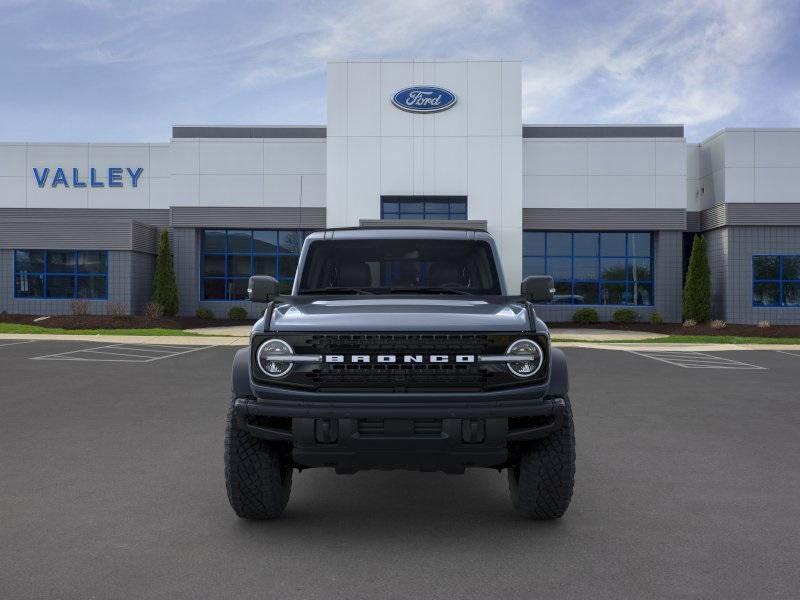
(430, 290)
(337, 290)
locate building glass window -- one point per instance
(66, 274)
(776, 280)
(231, 256)
(593, 267)
(447, 208)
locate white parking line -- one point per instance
(698, 360)
(126, 352)
(3, 345)
(787, 353)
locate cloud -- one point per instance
(684, 62)
(705, 63)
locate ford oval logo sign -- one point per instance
(424, 99)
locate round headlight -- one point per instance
(530, 358)
(268, 358)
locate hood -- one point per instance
(399, 314)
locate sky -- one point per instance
(126, 71)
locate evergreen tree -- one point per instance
(165, 288)
(697, 290)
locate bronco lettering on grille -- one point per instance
(400, 358)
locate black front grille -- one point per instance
(398, 376)
(401, 376)
(387, 343)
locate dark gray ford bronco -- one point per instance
(399, 349)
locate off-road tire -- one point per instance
(542, 480)
(257, 478)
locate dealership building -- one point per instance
(608, 210)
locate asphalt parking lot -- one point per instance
(112, 487)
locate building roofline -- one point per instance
(249, 131)
(603, 131)
(753, 129)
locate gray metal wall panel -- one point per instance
(186, 259)
(772, 214)
(602, 131)
(142, 272)
(693, 221)
(256, 217)
(764, 214)
(477, 225)
(605, 219)
(742, 243)
(713, 217)
(668, 275)
(65, 234)
(151, 216)
(144, 238)
(313, 132)
(121, 288)
(717, 250)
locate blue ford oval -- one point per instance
(424, 99)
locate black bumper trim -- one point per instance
(399, 410)
(525, 394)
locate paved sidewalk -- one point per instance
(155, 340)
(602, 335)
(235, 330)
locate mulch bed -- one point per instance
(774, 331)
(120, 322)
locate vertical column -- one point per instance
(668, 280)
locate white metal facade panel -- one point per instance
(472, 149)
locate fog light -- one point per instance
(269, 358)
(528, 358)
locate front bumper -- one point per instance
(442, 435)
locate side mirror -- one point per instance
(538, 289)
(262, 288)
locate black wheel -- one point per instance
(541, 482)
(257, 477)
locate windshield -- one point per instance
(400, 266)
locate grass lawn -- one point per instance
(20, 328)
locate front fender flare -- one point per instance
(559, 374)
(240, 374)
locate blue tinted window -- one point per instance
(590, 267)
(776, 280)
(230, 257)
(447, 208)
(66, 274)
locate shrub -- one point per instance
(153, 311)
(624, 315)
(237, 313)
(764, 324)
(690, 323)
(585, 316)
(165, 288)
(717, 324)
(656, 318)
(116, 309)
(204, 313)
(697, 290)
(79, 308)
